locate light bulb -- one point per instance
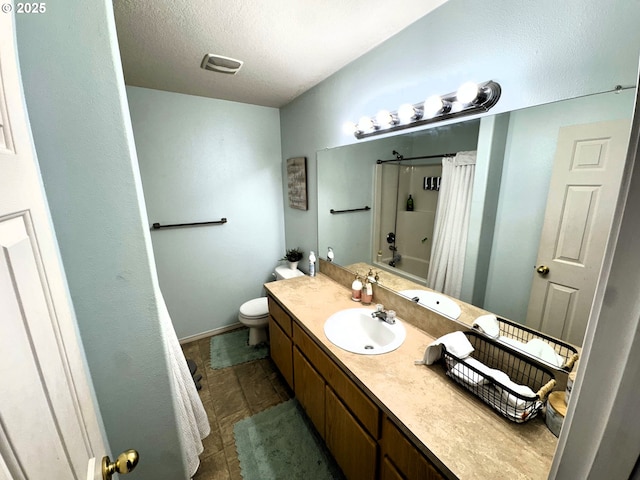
(365, 124)
(349, 128)
(456, 107)
(384, 119)
(433, 105)
(406, 113)
(467, 92)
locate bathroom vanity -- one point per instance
(382, 416)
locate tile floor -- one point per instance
(229, 395)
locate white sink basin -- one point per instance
(356, 331)
(434, 301)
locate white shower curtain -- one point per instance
(452, 224)
(191, 417)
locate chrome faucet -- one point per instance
(386, 316)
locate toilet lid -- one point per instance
(258, 307)
(285, 273)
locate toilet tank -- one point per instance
(283, 272)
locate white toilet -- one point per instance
(255, 313)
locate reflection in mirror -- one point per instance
(523, 159)
(407, 193)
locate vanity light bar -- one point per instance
(469, 99)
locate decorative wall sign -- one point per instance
(297, 182)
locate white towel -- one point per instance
(469, 376)
(513, 400)
(503, 379)
(512, 342)
(536, 348)
(544, 351)
(510, 405)
(456, 343)
(523, 411)
(487, 324)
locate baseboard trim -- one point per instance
(210, 333)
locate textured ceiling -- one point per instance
(287, 46)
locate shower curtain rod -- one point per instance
(401, 158)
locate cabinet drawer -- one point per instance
(309, 389)
(362, 407)
(280, 346)
(281, 317)
(354, 450)
(405, 456)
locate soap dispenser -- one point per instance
(356, 289)
(312, 264)
(367, 292)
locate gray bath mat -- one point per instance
(232, 349)
(281, 443)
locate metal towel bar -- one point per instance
(350, 210)
(157, 226)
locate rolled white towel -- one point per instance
(523, 390)
(456, 343)
(544, 351)
(500, 376)
(507, 396)
(468, 376)
(512, 342)
(487, 324)
(504, 380)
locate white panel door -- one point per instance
(582, 196)
(49, 427)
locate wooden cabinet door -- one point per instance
(309, 388)
(362, 407)
(388, 471)
(280, 349)
(410, 462)
(354, 450)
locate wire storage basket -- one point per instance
(498, 375)
(522, 334)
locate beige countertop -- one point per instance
(462, 435)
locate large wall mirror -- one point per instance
(559, 163)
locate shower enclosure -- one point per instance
(403, 237)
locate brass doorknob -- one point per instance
(125, 463)
(542, 270)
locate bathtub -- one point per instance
(411, 268)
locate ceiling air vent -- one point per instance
(218, 63)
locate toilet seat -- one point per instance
(256, 308)
(255, 315)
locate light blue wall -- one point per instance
(345, 181)
(528, 163)
(78, 110)
(202, 159)
(539, 52)
(484, 204)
